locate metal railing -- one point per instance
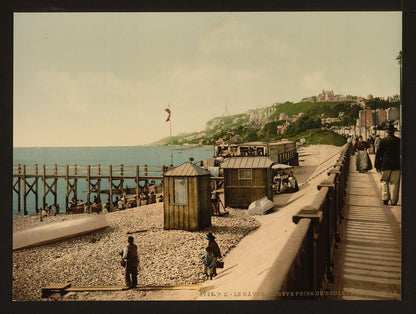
(305, 266)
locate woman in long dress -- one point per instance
(362, 162)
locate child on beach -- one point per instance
(209, 261)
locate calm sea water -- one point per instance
(126, 155)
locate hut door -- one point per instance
(181, 192)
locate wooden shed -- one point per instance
(246, 179)
(187, 202)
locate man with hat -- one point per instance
(387, 161)
(215, 249)
(130, 255)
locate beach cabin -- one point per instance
(247, 179)
(187, 202)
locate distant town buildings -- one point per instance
(326, 96)
(369, 118)
(380, 115)
(365, 118)
(330, 120)
(282, 128)
(393, 113)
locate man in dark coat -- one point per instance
(130, 256)
(387, 161)
(215, 249)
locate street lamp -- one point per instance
(399, 59)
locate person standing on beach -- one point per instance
(210, 262)
(215, 249)
(132, 261)
(388, 162)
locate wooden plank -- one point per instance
(194, 211)
(166, 203)
(140, 287)
(171, 200)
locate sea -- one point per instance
(105, 156)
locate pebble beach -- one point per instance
(167, 257)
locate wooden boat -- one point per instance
(260, 207)
(58, 230)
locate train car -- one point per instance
(284, 152)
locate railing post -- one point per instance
(36, 187)
(137, 185)
(88, 189)
(316, 216)
(44, 192)
(110, 192)
(66, 188)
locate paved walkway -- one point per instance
(368, 258)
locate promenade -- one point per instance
(367, 260)
(247, 265)
(368, 257)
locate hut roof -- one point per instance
(187, 169)
(247, 162)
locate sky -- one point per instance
(105, 79)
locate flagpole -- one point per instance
(170, 135)
(170, 127)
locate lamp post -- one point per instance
(399, 59)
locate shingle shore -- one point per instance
(167, 257)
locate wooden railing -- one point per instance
(305, 266)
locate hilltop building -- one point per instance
(326, 96)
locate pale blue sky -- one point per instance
(98, 79)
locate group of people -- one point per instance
(49, 210)
(387, 162)
(286, 183)
(130, 260)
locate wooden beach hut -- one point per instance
(187, 202)
(247, 179)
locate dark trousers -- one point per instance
(131, 275)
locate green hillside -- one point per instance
(308, 126)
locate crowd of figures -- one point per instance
(130, 260)
(147, 195)
(285, 182)
(387, 161)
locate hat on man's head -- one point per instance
(390, 127)
(210, 236)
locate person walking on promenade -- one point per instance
(388, 162)
(210, 262)
(132, 261)
(377, 143)
(215, 249)
(371, 145)
(362, 161)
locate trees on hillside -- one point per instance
(304, 123)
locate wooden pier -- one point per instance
(26, 180)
